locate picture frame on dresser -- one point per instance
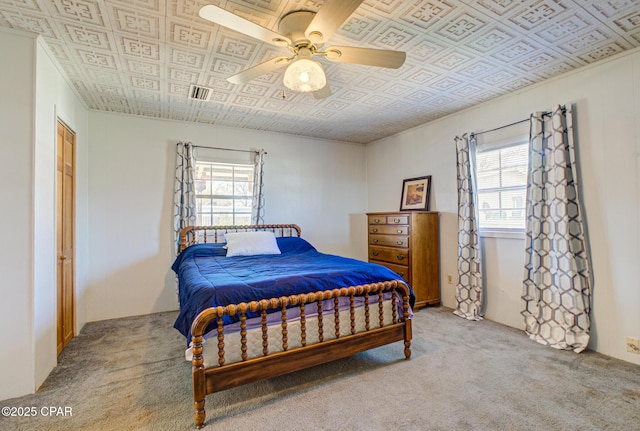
(416, 194)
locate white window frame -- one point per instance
(501, 232)
(233, 197)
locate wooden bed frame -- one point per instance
(225, 376)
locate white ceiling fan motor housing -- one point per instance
(294, 24)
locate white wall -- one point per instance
(31, 88)
(317, 184)
(55, 99)
(16, 256)
(607, 100)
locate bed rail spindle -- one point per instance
(265, 331)
(352, 311)
(285, 331)
(303, 324)
(220, 338)
(320, 323)
(243, 331)
(367, 326)
(394, 305)
(336, 313)
(381, 307)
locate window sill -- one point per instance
(502, 234)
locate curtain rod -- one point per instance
(498, 128)
(224, 149)
(508, 125)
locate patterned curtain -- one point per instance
(257, 212)
(184, 195)
(557, 285)
(469, 287)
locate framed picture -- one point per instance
(416, 193)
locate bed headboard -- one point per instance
(215, 234)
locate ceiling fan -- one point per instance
(304, 33)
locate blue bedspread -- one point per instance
(207, 278)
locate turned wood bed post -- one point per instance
(199, 391)
(407, 327)
(183, 238)
(198, 370)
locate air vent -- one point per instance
(196, 92)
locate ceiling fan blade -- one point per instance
(234, 22)
(256, 71)
(366, 56)
(323, 93)
(329, 18)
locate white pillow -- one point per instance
(251, 243)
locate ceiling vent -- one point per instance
(197, 92)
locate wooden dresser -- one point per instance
(407, 242)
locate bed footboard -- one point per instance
(375, 333)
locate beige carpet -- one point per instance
(129, 374)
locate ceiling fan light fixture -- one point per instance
(304, 75)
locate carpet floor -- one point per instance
(130, 374)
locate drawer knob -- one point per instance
(375, 253)
(399, 230)
(401, 274)
(374, 230)
(399, 242)
(396, 220)
(399, 256)
(376, 220)
(375, 241)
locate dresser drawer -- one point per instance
(389, 240)
(389, 254)
(377, 219)
(398, 219)
(389, 230)
(391, 219)
(402, 271)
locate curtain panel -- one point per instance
(257, 211)
(469, 288)
(184, 192)
(557, 277)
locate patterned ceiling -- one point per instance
(139, 57)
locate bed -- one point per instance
(254, 315)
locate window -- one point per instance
(224, 193)
(502, 184)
